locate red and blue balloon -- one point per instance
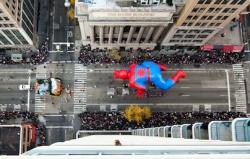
(139, 75)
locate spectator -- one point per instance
(116, 121)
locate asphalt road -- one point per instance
(10, 94)
(62, 31)
(200, 87)
(64, 102)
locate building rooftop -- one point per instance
(9, 140)
(83, 7)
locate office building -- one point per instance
(150, 23)
(200, 20)
(17, 23)
(123, 24)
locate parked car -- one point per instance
(23, 87)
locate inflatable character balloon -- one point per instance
(139, 75)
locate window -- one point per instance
(225, 17)
(195, 17)
(190, 24)
(217, 10)
(4, 40)
(210, 17)
(202, 36)
(189, 17)
(194, 31)
(195, 10)
(226, 10)
(126, 29)
(242, 1)
(210, 10)
(201, 1)
(197, 41)
(7, 5)
(201, 10)
(190, 36)
(211, 24)
(177, 36)
(234, 1)
(203, 17)
(233, 10)
(184, 24)
(207, 31)
(181, 31)
(217, 24)
(217, 1)
(173, 41)
(6, 18)
(11, 36)
(197, 24)
(203, 24)
(208, 1)
(218, 18)
(225, 1)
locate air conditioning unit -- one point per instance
(144, 2)
(157, 2)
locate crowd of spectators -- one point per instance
(27, 55)
(116, 120)
(25, 117)
(99, 56)
(40, 56)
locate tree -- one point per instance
(71, 13)
(136, 113)
(72, 2)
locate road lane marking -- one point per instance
(59, 127)
(185, 95)
(185, 87)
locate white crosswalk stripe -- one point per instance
(40, 100)
(240, 89)
(80, 91)
(39, 104)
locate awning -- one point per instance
(238, 48)
(227, 48)
(207, 47)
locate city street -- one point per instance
(199, 88)
(56, 104)
(10, 96)
(62, 32)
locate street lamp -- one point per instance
(66, 3)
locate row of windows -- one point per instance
(213, 10)
(7, 25)
(238, 2)
(4, 18)
(191, 36)
(207, 17)
(14, 35)
(202, 24)
(196, 31)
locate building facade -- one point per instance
(146, 24)
(200, 20)
(17, 23)
(123, 24)
(218, 139)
